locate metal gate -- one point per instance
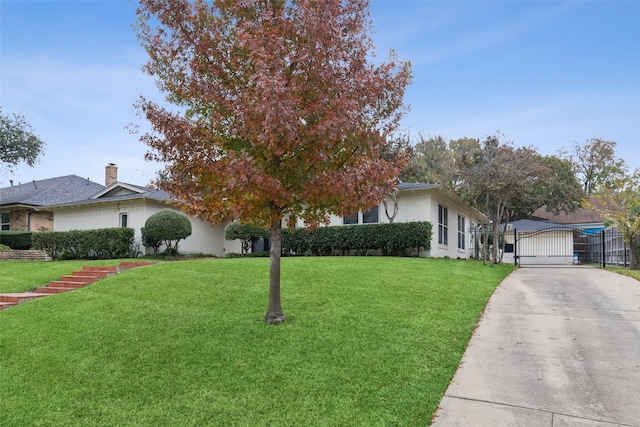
(547, 245)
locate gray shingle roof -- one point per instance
(416, 186)
(52, 191)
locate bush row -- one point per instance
(386, 239)
(16, 239)
(102, 243)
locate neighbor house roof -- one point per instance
(46, 192)
(580, 216)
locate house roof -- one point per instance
(580, 216)
(51, 191)
(117, 192)
(416, 186)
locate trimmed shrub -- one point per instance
(386, 239)
(102, 243)
(247, 234)
(16, 239)
(169, 227)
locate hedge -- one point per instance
(102, 243)
(16, 239)
(385, 239)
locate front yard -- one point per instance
(368, 341)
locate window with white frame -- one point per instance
(461, 232)
(5, 221)
(443, 225)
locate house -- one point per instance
(75, 203)
(453, 221)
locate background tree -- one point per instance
(595, 163)
(431, 161)
(18, 141)
(282, 113)
(167, 227)
(619, 203)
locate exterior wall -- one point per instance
(204, 238)
(30, 220)
(422, 205)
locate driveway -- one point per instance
(555, 347)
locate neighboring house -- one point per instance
(23, 207)
(453, 221)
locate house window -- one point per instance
(461, 235)
(443, 225)
(5, 221)
(370, 215)
(352, 219)
(124, 220)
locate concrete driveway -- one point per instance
(555, 347)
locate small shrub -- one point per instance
(168, 227)
(247, 234)
(4, 248)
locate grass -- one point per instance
(368, 342)
(20, 276)
(631, 273)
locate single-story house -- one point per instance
(118, 204)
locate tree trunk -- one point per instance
(274, 314)
(633, 253)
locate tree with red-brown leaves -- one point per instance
(281, 111)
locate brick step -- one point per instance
(53, 289)
(80, 279)
(4, 305)
(129, 264)
(104, 268)
(77, 279)
(67, 284)
(20, 297)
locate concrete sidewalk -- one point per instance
(555, 347)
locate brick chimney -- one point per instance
(110, 174)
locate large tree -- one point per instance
(18, 141)
(596, 163)
(619, 203)
(281, 111)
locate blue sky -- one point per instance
(542, 73)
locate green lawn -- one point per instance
(368, 342)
